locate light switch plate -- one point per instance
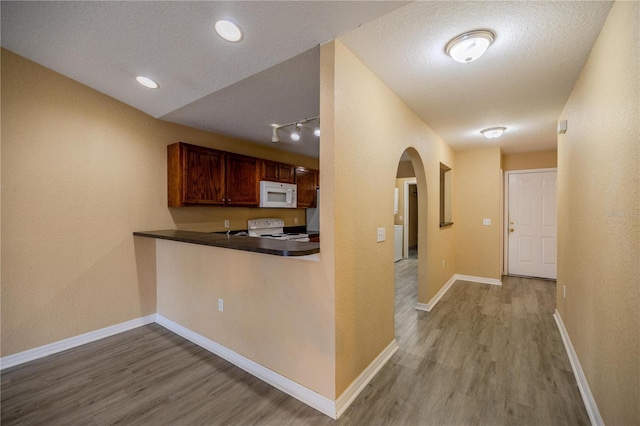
(486, 221)
(381, 235)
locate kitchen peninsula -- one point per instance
(235, 242)
(263, 304)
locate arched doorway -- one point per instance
(410, 215)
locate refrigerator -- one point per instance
(313, 216)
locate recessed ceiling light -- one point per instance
(469, 46)
(493, 132)
(229, 31)
(147, 82)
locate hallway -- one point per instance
(484, 355)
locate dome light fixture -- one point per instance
(469, 46)
(147, 82)
(493, 132)
(229, 31)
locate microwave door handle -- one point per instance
(288, 196)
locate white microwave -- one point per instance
(278, 195)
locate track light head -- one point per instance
(274, 137)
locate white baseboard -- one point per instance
(480, 280)
(354, 389)
(313, 399)
(583, 385)
(72, 342)
(435, 299)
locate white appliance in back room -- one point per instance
(397, 241)
(313, 216)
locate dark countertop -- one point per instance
(234, 242)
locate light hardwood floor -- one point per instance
(485, 355)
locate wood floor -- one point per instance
(486, 355)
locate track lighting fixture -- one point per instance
(274, 137)
(295, 135)
(298, 128)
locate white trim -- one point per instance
(583, 385)
(354, 389)
(505, 223)
(435, 299)
(288, 386)
(72, 342)
(480, 280)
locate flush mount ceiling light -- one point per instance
(296, 132)
(147, 82)
(229, 31)
(469, 46)
(493, 132)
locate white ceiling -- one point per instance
(272, 76)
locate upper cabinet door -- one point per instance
(203, 177)
(277, 172)
(307, 182)
(286, 173)
(195, 175)
(243, 177)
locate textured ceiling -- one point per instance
(522, 82)
(240, 89)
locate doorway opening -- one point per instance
(411, 220)
(407, 256)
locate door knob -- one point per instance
(511, 222)
(511, 229)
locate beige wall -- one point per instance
(278, 311)
(530, 160)
(364, 116)
(476, 196)
(80, 172)
(405, 170)
(599, 218)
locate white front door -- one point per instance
(532, 225)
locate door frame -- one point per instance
(505, 229)
(405, 220)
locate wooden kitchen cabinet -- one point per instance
(307, 182)
(242, 181)
(277, 172)
(205, 176)
(195, 175)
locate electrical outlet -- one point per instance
(226, 223)
(486, 221)
(380, 235)
(564, 291)
(295, 220)
(221, 305)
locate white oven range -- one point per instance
(272, 228)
